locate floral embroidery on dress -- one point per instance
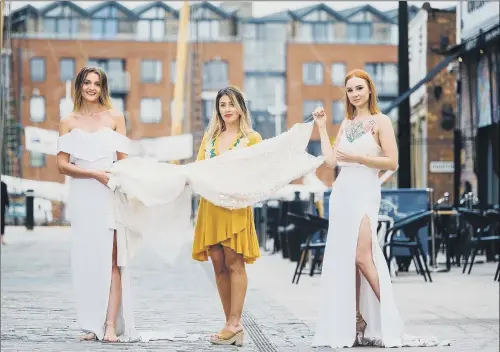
(210, 152)
(357, 129)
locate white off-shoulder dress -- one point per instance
(92, 224)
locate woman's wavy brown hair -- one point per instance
(104, 97)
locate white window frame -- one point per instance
(149, 105)
(314, 103)
(72, 75)
(34, 72)
(338, 73)
(37, 109)
(65, 108)
(307, 72)
(157, 68)
(338, 118)
(37, 159)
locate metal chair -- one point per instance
(410, 226)
(312, 224)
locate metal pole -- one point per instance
(433, 233)
(404, 172)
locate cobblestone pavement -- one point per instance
(37, 309)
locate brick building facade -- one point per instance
(432, 152)
(306, 52)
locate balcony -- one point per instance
(118, 82)
(119, 37)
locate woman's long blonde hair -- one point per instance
(372, 100)
(104, 97)
(217, 125)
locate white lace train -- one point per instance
(153, 199)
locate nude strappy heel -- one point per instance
(226, 337)
(360, 328)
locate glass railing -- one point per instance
(341, 40)
(118, 37)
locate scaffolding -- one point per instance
(9, 127)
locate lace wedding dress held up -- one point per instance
(91, 212)
(153, 200)
(355, 194)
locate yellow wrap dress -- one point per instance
(234, 229)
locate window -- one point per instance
(205, 30)
(308, 108)
(37, 109)
(273, 61)
(109, 65)
(207, 110)
(151, 29)
(360, 32)
(62, 22)
(173, 71)
(37, 159)
(67, 69)
(150, 110)
(384, 104)
(65, 107)
(312, 73)
(151, 71)
(314, 148)
(338, 111)
(261, 91)
(37, 69)
(109, 22)
(338, 73)
(320, 32)
(118, 104)
(385, 77)
(215, 75)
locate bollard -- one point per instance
(30, 209)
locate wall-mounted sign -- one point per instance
(476, 15)
(441, 167)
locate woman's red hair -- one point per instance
(372, 100)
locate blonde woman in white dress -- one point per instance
(91, 138)
(357, 306)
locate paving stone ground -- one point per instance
(37, 312)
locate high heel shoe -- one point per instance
(226, 337)
(360, 328)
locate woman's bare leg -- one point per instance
(115, 297)
(221, 277)
(239, 283)
(364, 257)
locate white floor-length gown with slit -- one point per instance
(93, 224)
(91, 215)
(355, 195)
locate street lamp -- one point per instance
(278, 109)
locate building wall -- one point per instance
(133, 53)
(354, 56)
(417, 47)
(439, 141)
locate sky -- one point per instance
(262, 8)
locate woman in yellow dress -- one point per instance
(227, 236)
